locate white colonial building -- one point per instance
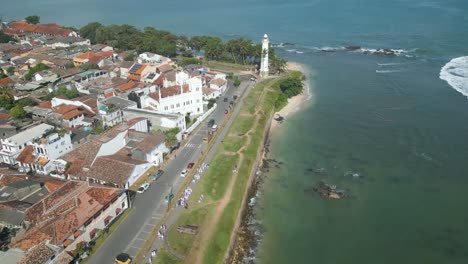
(184, 98)
(12, 146)
(40, 155)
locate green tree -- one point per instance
(213, 47)
(89, 66)
(211, 103)
(291, 86)
(187, 119)
(89, 31)
(69, 65)
(33, 19)
(171, 137)
(17, 112)
(130, 57)
(39, 67)
(6, 98)
(11, 70)
(27, 102)
(4, 38)
(237, 82)
(188, 61)
(63, 92)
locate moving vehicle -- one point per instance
(143, 187)
(184, 173)
(123, 258)
(190, 165)
(214, 128)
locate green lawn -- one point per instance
(233, 144)
(215, 180)
(242, 125)
(164, 257)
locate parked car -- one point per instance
(225, 112)
(157, 174)
(231, 103)
(190, 165)
(184, 173)
(214, 128)
(234, 97)
(143, 187)
(211, 123)
(225, 99)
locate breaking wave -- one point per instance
(356, 49)
(455, 73)
(386, 71)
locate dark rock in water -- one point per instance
(384, 52)
(352, 48)
(327, 191)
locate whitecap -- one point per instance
(389, 64)
(455, 73)
(291, 50)
(387, 71)
(299, 52)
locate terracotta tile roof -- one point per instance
(115, 168)
(26, 155)
(4, 116)
(151, 141)
(6, 81)
(72, 210)
(66, 72)
(128, 86)
(49, 29)
(63, 258)
(164, 68)
(169, 91)
(218, 82)
(45, 104)
(133, 77)
(110, 94)
(72, 114)
(7, 179)
(160, 80)
(39, 254)
(135, 120)
(63, 108)
(207, 90)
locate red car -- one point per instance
(225, 111)
(190, 165)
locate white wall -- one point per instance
(138, 171)
(113, 145)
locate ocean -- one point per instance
(390, 129)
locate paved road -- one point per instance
(174, 215)
(149, 208)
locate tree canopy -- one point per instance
(33, 19)
(62, 91)
(17, 112)
(4, 38)
(7, 99)
(39, 67)
(171, 137)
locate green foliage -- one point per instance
(39, 67)
(89, 31)
(291, 86)
(2, 75)
(187, 119)
(237, 82)
(171, 136)
(69, 65)
(11, 70)
(281, 101)
(89, 66)
(6, 98)
(187, 61)
(211, 103)
(4, 38)
(27, 102)
(33, 19)
(63, 92)
(130, 57)
(17, 112)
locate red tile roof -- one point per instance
(73, 205)
(4, 116)
(128, 86)
(169, 91)
(6, 81)
(26, 155)
(72, 114)
(45, 104)
(49, 29)
(39, 254)
(63, 108)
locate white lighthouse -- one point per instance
(264, 61)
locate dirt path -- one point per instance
(197, 253)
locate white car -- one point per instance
(184, 173)
(143, 187)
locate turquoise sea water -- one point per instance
(388, 118)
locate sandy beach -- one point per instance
(297, 102)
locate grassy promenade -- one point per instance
(224, 183)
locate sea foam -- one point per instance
(455, 73)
